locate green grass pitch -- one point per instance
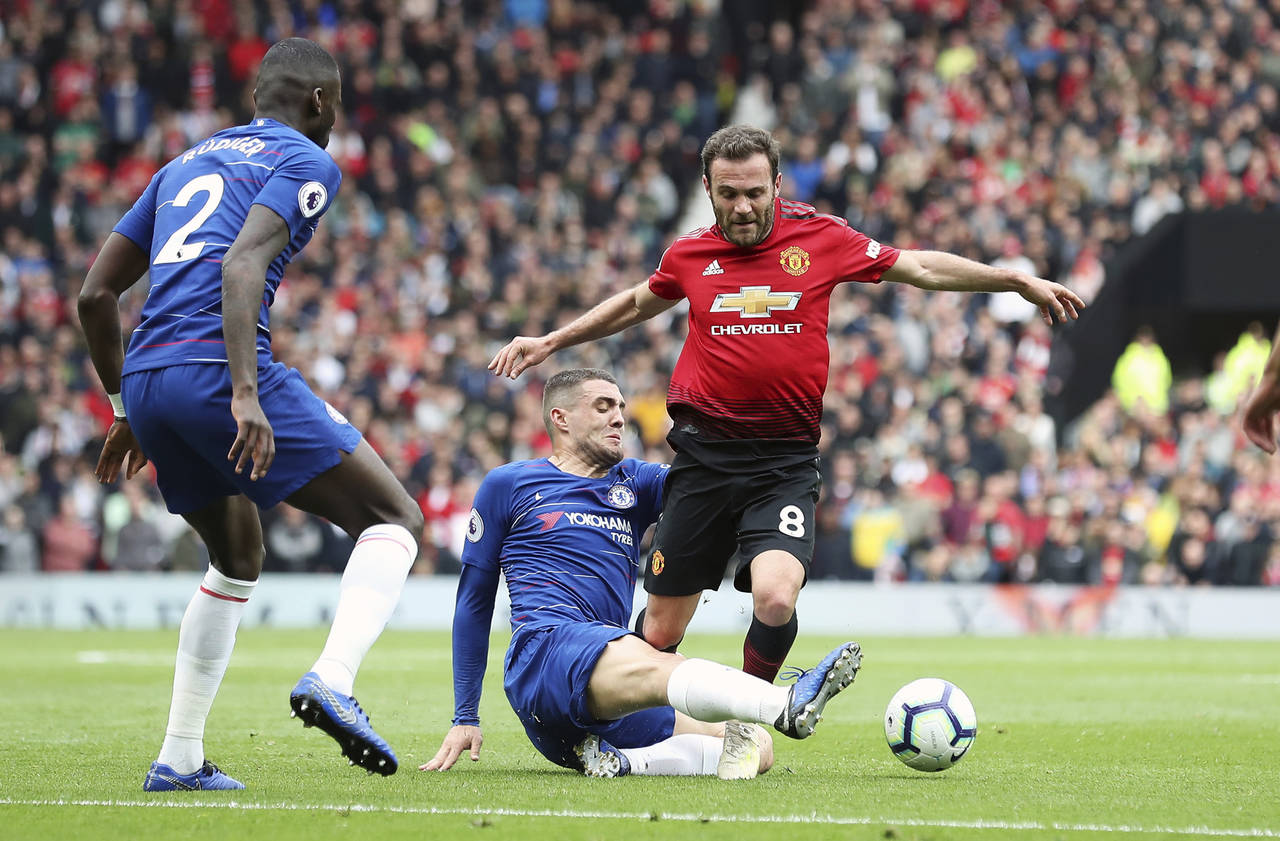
(1078, 738)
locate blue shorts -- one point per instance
(181, 416)
(547, 670)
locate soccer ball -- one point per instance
(930, 724)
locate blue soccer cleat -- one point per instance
(598, 758)
(207, 778)
(815, 687)
(341, 717)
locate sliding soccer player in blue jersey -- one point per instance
(565, 532)
(227, 429)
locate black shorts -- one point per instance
(730, 498)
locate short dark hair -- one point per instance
(737, 143)
(294, 65)
(559, 387)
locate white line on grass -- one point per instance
(148, 659)
(837, 820)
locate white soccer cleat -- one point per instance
(598, 758)
(740, 758)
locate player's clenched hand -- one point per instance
(120, 445)
(461, 737)
(1259, 420)
(1056, 302)
(254, 439)
(520, 353)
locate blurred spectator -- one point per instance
(971, 563)
(932, 564)
(69, 544)
(436, 557)
(960, 517)
(1245, 557)
(11, 479)
(1003, 525)
(1062, 557)
(19, 546)
(1241, 367)
(1192, 562)
(832, 550)
(1111, 559)
(1142, 376)
(878, 536)
(126, 110)
(1159, 202)
(294, 541)
(803, 171)
(131, 538)
(985, 453)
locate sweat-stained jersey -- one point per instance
(755, 362)
(192, 211)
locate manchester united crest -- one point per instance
(794, 260)
(659, 563)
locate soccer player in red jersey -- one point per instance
(746, 394)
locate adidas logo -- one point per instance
(712, 268)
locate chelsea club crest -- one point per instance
(621, 497)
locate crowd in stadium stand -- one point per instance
(509, 164)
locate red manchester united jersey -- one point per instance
(755, 362)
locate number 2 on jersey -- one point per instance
(176, 249)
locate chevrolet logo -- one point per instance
(755, 301)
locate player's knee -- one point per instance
(412, 519)
(663, 637)
(775, 606)
(242, 565)
(402, 512)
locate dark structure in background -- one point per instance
(1197, 278)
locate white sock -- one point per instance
(205, 640)
(370, 589)
(710, 691)
(686, 755)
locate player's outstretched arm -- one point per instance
(472, 617)
(938, 270)
(119, 265)
(244, 278)
(1259, 416)
(627, 308)
(460, 738)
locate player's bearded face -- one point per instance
(742, 194)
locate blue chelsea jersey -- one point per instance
(568, 545)
(192, 211)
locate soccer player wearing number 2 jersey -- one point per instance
(227, 429)
(746, 394)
